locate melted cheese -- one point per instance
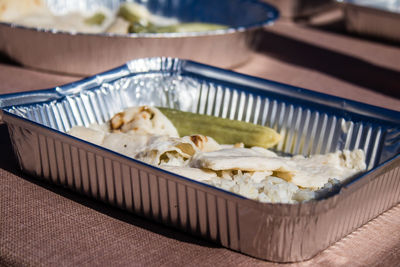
(315, 171)
(244, 159)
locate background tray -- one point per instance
(87, 54)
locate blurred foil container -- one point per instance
(310, 123)
(87, 54)
(376, 18)
(300, 8)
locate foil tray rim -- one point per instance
(318, 99)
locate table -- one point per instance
(42, 224)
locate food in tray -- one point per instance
(204, 153)
(129, 18)
(140, 20)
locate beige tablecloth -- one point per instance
(42, 224)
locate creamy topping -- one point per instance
(244, 159)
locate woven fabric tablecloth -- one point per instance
(44, 225)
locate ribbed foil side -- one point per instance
(277, 232)
(126, 184)
(297, 234)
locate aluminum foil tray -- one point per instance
(310, 123)
(87, 54)
(377, 18)
(300, 8)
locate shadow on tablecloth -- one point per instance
(345, 67)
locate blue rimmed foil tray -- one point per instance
(310, 123)
(87, 54)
